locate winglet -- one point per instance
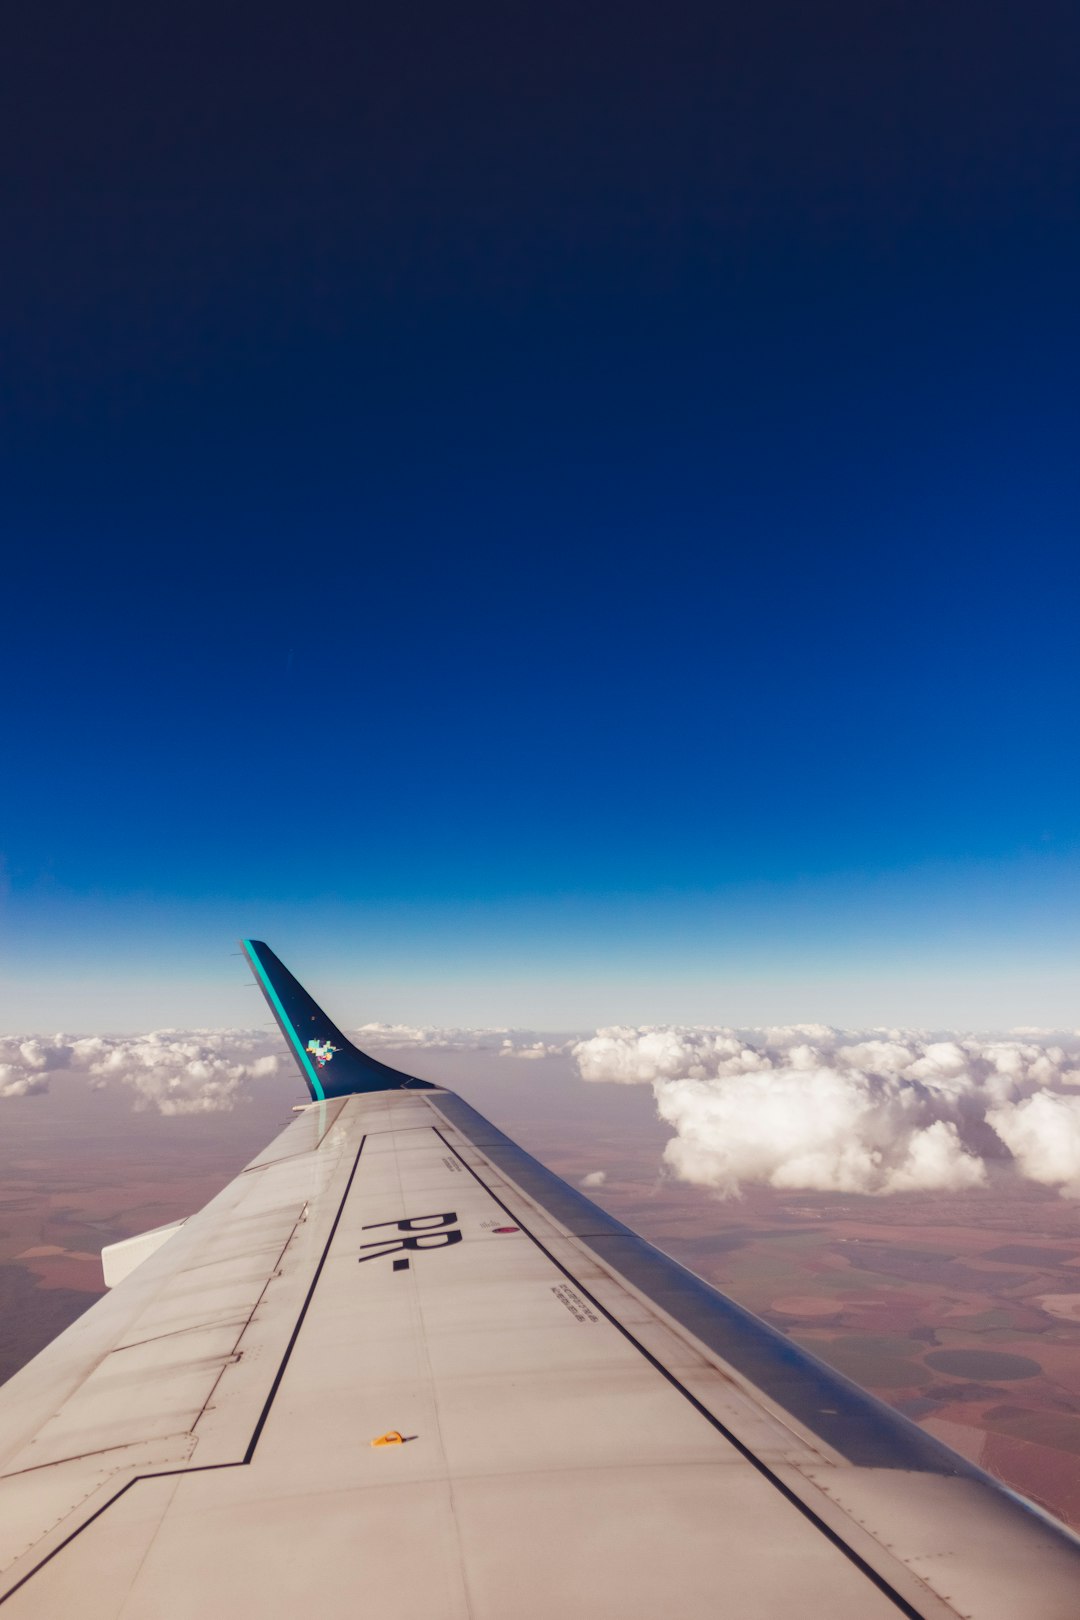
(329, 1062)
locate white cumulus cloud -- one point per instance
(26, 1062)
(16, 1082)
(522, 1046)
(884, 1111)
(1043, 1132)
(174, 1071)
(182, 1071)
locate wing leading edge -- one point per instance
(586, 1427)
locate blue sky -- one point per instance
(580, 528)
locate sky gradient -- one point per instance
(545, 517)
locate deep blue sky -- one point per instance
(542, 507)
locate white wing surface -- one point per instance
(571, 1424)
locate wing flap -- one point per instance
(119, 1260)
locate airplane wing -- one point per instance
(398, 1366)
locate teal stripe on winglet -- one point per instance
(275, 1001)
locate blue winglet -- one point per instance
(329, 1062)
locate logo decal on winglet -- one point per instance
(322, 1052)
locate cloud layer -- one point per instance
(411, 1037)
(206, 1071)
(25, 1062)
(174, 1071)
(890, 1111)
(803, 1106)
(512, 1043)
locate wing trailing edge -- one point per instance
(329, 1062)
